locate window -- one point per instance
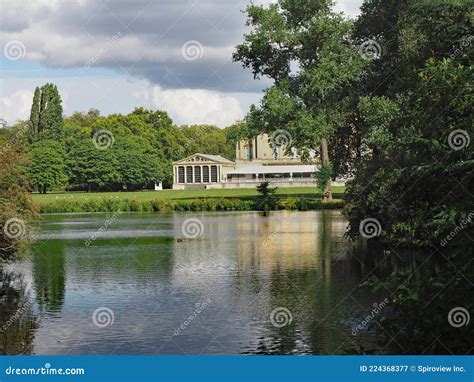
(214, 174)
(180, 174)
(205, 174)
(197, 174)
(189, 174)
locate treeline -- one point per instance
(90, 152)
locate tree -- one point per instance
(47, 167)
(92, 168)
(307, 51)
(415, 124)
(16, 206)
(266, 198)
(46, 118)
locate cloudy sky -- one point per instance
(114, 55)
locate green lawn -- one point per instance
(179, 194)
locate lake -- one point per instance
(193, 283)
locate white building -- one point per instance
(256, 161)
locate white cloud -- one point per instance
(16, 106)
(198, 106)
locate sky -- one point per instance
(115, 55)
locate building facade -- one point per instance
(256, 161)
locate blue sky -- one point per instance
(114, 55)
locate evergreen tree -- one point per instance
(46, 118)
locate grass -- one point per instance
(238, 193)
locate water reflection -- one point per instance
(243, 267)
(17, 321)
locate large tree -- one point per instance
(47, 168)
(416, 102)
(306, 49)
(46, 118)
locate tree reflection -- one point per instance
(17, 321)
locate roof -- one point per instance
(212, 158)
(273, 169)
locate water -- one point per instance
(287, 283)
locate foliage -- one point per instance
(323, 176)
(15, 201)
(47, 167)
(410, 176)
(46, 118)
(266, 199)
(434, 294)
(306, 49)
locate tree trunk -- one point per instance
(325, 159)
(44, 189)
